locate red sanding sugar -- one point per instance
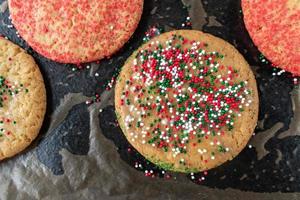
(274, 26)
(75, 31)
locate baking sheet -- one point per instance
(82, 154)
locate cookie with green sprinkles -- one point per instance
(22, 99)
(187, 101)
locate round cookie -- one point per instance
(76, 31)
(22, 99)
(274, 26)
(187, 101)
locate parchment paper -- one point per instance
(74, 159)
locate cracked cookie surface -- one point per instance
(22, 99)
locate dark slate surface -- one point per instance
(275, 102)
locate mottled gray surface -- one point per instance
(103, 174)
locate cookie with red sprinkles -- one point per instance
(187, 101)
(22, 99)
(274, 26)
(76, 31)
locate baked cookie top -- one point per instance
(187, 101)
(76, 31)
(274, 26)
(22, 99)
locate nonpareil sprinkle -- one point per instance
(191, 95)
